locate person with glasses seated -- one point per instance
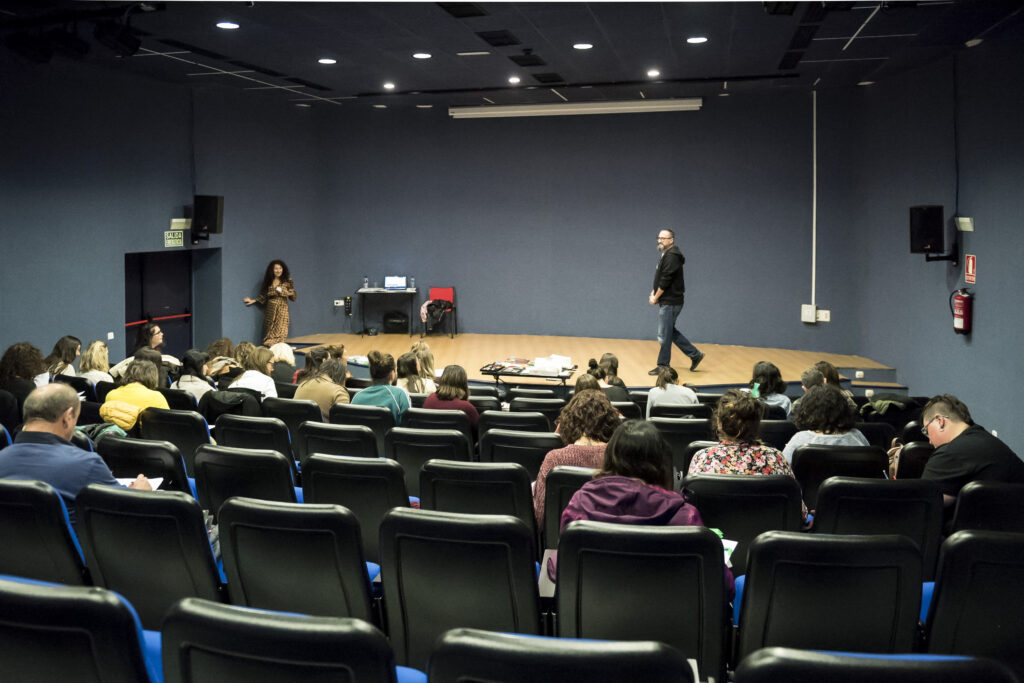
(964, 451)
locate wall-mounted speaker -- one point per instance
(208, 214)
(927, 231)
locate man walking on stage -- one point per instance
(667, 294)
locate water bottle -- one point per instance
(366, 282)
(412, 283)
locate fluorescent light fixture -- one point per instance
(973, 42)
(577, 108)
(389, 86)
(421, 55)
(866, 83)
(303, 105)
(227, 25)
(478, 53)
(583, 46)
(653, 73)
(424, 106)
(380, 106)
(327, 60)
(513, 80)
(696, 40)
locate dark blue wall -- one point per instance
(545, 225)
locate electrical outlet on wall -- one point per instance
(807, 313)
(823, 315)
(110, 336)
(338, 303)
(858, 374)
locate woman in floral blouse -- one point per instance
(737, 419)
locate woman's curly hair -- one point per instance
(824, 408)
(738, 416)
(21, 361)
(589, 413)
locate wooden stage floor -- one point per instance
(722, 365)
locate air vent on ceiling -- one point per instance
(193, 49)
(462, 10)
(257, 69)
(528, 60)
(790, 60)
(308, 84)
(548, 78)
(498, 38)
(802, 37)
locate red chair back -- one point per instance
(442, 293)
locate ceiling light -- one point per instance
(866, 83)
(723, 94)
(577, 108)
(389, 86)
(513, 80)
(973, 42)
(424, 106)
(696, 40)
(327, 60)
(421, 55)
(473, 54)
(228, 25)
(583, 46)
(380, 106)
(653, 73)
(304, 105)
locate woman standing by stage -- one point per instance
(277, 289)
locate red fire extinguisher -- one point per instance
(960, 307)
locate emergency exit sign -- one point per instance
(971, 269)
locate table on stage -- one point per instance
(499, 369)
(363, 292)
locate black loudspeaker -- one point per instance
(208, 214)
(926, 230)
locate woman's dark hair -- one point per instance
(595, 370)
(315, 357)
(335, 369)
(824, 408)
(587, 382)
(220, 347)
(588, 413)
(453, 383)
(666, 375)
(192, 363)
(409, 370)
(63, 354)
(21, 361)
(828, 371)
(144, 372)
(335, 350)
(768, 378)
(154, 357)
(638, 450)
(381, 366)
(610, 363)
(144, 337)
(738, 416)
(268, 276)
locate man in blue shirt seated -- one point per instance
(42, 451)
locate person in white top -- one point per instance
(667, 391)
(95, 363)
(258, 365)
(193, 374)
(61, 359)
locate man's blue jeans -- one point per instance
(667, 333)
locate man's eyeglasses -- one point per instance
(924, 429)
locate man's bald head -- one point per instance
(50, 403)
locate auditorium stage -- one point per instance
(722, 365)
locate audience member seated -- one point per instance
(739, 451)
(315, 357)
(586, 382)
(811, 377)
(19, 366)
(149, 336)
(767, 385)
(453, 394)
(634, 486)
(831, 375)
(381, 393)
(964, 451)
(667, 392)
(257, 367)
(42, 450)
(326, 387)
(426, 359)
(824, 418)
(586, 423)
(220, 357)
(409, 376)
(124, 403)
(61, 359)
(194, 369)
(284, 363)
(154, 357)
(610, 363)
(613, 392)
(95, 363)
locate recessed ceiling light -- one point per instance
(583, 46)
(229, 25)
(513, 79)
(389, 86)
(696, 40)
(653, 73)
(424, 106)
(723, 94)
(866, 83)
(304, 105)
(422, 55)
(327, 60)
(380, 106)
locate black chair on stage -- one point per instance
(814, 463)
(411, 448)
(127, 458)
(520, 422)
(450, 312)
(37, 537)
(526, 448)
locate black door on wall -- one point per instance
(158, 287)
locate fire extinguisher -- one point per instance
(960, 307)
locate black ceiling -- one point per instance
(751, 45)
